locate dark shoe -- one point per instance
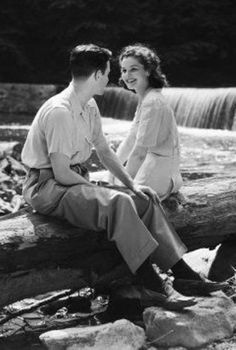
(175, 300)
(198, 288)
(170, 299)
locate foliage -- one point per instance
(194, 36)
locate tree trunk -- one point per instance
(39, 253)
(208, 218)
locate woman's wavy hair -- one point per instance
(149, 59)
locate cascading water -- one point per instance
(203, 108)
(117, 103)
(193, 107)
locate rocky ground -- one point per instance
(31, 324)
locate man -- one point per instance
(59, 141)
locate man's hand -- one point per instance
(146, 192)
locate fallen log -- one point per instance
(39, 253)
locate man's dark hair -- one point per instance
(88, 58)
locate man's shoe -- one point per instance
(169, 299)
(175, 300)
(198, 287)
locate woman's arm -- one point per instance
(123, 152)
(110, 160)
(112, 163)
(136, 159)
(125, 147)
(147, 134)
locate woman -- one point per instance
(151, 149)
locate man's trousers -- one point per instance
(137, 226)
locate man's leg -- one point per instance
(170, 247)
(169, 253)
(104, 209)
(99, 208)
(95, 208)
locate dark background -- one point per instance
(194, 38)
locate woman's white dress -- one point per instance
(154, 127)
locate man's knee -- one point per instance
(122, 201)
(122, 197)
(141, 204)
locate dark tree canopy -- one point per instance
(195, 38)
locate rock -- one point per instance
(223, 266)
(121, 334)
(6, 148)
(211, 319)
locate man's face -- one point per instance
(103, 80)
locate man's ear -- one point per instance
(97, 74)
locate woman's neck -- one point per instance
(143, 93)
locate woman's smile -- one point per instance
(134, 75)
(130, 81)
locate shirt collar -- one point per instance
(77, 109)
(75, 103)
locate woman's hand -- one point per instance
(146, 192)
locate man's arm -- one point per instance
(63, 173)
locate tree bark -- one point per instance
(39, 253)
(208, 217)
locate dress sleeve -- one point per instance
(58, 132)
(151, 118)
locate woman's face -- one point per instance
(134, 75)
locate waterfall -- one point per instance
(203, 108)
(211, 108)
(117, 103)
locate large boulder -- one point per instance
(121, 334)
(212, 318)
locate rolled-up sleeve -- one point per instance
(58, 132)
(151, 118)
